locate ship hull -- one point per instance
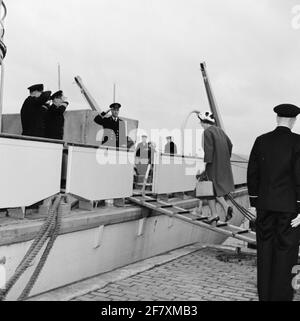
(91, 243)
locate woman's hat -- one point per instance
(207, 117)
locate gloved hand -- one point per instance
(296, 222)
(201, 176)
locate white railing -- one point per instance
(30, 170)
(96, 173)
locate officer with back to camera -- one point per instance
(273, 179)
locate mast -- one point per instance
(210, 96)
(114, 95)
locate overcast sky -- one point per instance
(152, 50)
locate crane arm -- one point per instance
(90, 100)
(210, 96)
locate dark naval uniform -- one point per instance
(55, 121)
(114, 130)
(171, 148)
(33, 115)
(274, 189)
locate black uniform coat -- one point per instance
(171, 148)
(274, 172)
(33, 117)
(55, 121)
(114, 131)
(274, 189)
(217, 153)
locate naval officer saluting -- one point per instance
(114, 128)
(33, 112)
(274, 189)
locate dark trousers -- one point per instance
(277, 253)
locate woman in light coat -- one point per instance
(217, 153)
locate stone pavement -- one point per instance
(203, 275)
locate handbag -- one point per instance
(204, 187)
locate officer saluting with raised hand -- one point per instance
(55, 119)
(114, 128)
(33, 111)
(274, 189)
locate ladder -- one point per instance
(182, 214)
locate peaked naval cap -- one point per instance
(287, 110)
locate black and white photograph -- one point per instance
(149, 153)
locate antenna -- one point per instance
(58, 74)
(114, 94)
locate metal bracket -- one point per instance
(141, 226)
(99, 237)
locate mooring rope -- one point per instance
(52, 223)
(246, 213)
(2, 31)
(43, 258)
(39, 236)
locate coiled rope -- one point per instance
(2, 32)
(50, 229)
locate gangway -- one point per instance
(182, 214)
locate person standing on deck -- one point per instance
(217, 153)
(273, 180)
(114, 134)
(170, 147)
(114, 128)
(142, 156)
(33, 112)
(55, 119)
(142, 150)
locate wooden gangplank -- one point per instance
(187, 216)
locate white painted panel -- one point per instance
(175, 174)
(239, 171)
(98, 174)
(30, 171)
